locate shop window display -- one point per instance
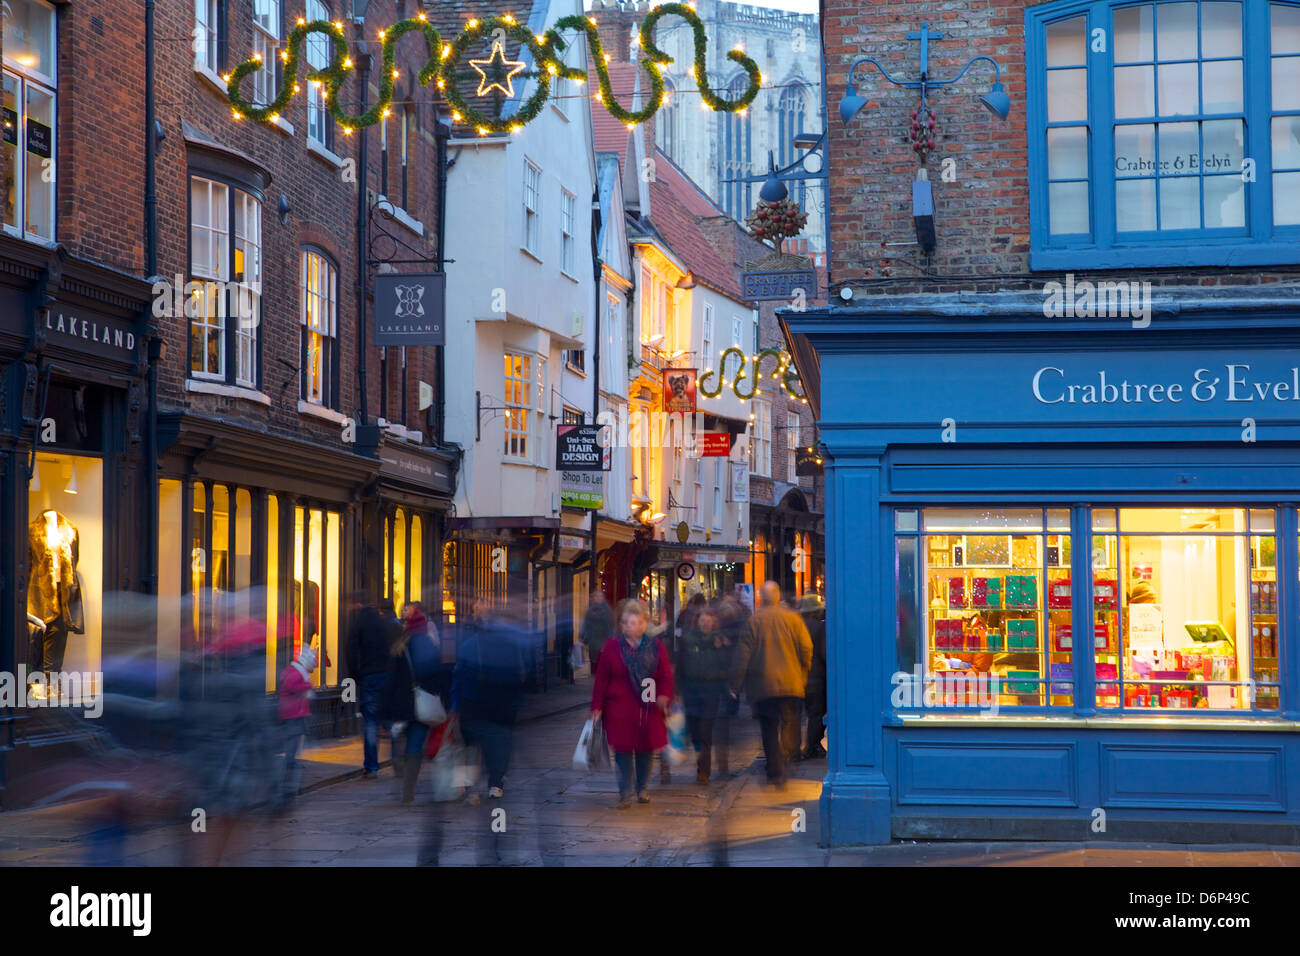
(1193, 592)
(315, 590)
(990, 620)
(65, 560)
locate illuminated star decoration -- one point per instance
(498, 62)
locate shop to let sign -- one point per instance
(582, 489)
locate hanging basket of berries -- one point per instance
(922, 134)
(775, 221)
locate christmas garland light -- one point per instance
(443, 59)
(785, 373)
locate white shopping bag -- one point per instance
(580, 759)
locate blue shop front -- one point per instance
(1063, 569)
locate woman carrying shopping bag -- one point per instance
(633, 688)
(411, 697)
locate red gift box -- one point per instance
(1104, 594)
(1100, 636)
(1173, 697)
(1058, 593)
(956, 592)
(1064, 637)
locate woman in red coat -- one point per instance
(633, 687)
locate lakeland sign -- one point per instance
(60, 325)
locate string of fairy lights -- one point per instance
(444, 58)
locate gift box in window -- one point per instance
(947, 635)
(1022, 634)
(986, 592)
(1139, 695)
(1263, 597)
(1107, 693)
(1101, 635)
(1022, 682)
(1063, 637)
(956, 592)
(1058, 593)
(1104, 594)
(1177, 698)
(1022, 590)
(1062, 672)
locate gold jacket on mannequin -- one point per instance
(54, 592)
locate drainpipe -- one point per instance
(363, 181)
(441, 132)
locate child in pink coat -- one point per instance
(295, 708)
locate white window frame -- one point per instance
(249, 289)
(706, 345)
(267, 19)
(209, 215)
(319, 320)
(518, 402)
(207, 35)
(318, 53)
(792, 445)
(568, 226)
(532, 208)
(28, 79)
(737, 330)
(760, 444)
(610, 374)
(717, 493)
(697, 516)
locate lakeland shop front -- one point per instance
(1001, 486)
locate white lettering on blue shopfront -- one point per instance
(91, 330)
(1054, 386)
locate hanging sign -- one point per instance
(715, 445)
(765, 286)
(679, 390)
(807, 461)
(577, 448)
(740, 481)
(409, 309)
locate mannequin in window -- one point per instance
(54, 590)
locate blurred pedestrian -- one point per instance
(295, 708)
(413, 661)
(597, 626)
(813, 612)
(487, 688)
(703, 665)
(772, 661)
(631, 693)
(370, 640)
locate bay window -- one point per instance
(1164, 133)
(525, 390)
(223, 301)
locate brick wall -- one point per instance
(323, 202)
(982, 219)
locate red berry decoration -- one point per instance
(774, 221)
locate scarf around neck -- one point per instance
(642, 662)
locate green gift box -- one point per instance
(1015, 687)
(1022, 590)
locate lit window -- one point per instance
(524, 390)
(226, 268)
(319, 329)
(266, 43)
(29, 120)
(319, 127)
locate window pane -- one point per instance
(1180, 202)
(1135, 205)
(1179, 148)
(977, 518)
(10, 171)
(39, 129)
(1223, 146)
(1135, 152)
(1178, 90)
(1067, 96)
(1221, 86)
(1133, 34)
(1068, 208)
(1176, 31)
(1286, 83)
(1134, 92)
(1225, 202)
(29, 35)
(1220, 29)
(1286, 142)
(1285, 28)
(1286, 199)
(1067, 153)
(1066, 43)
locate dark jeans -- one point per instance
(495, 741)
(624, 764)
(702, 731)
(816, 724)
(369, 688)
(778, 720)
(295, 731)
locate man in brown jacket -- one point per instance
(772, 660)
